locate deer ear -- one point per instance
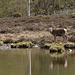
(48, 25)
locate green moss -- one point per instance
(1, 43)
(13, 45)
(25, 44)
(17, 14)
(48, 44)
(44, 16)
(56, 47)
(22, 45)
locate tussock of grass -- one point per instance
(69, 45)
(22, 45)
(1, 43)
(13, 45)
(44, 16)
(56, 47)
(48, 44)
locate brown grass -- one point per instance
(35, 28)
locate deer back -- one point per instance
(58, 32)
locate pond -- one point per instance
(17, 62)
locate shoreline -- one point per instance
(35, 28)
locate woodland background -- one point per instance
(37, 7)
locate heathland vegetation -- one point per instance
(26, 31)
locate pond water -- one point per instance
(17, 62)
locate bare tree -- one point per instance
(52, 6)
(59, 4)
(47, 4)
(28, 7)
(65, 6)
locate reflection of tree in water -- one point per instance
(59, 62)
(29, 61)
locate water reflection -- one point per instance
(58, 62)
(36, 62)
(13, 62)
(60, 59)
(29, 61)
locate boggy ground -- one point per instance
(35, 29)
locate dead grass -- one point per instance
(35, 28)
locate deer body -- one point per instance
(58, 32)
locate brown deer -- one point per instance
(58, 32)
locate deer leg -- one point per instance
(66, 64)
(51, 66)
(63, 38)
(55, 38)
(66, 38)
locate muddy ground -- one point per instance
(35, 29)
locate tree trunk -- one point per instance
(59, 4)
(53, 7)
(28, 7)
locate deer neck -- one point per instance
(50, 30)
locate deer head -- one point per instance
(50, 29)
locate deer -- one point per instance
(58, 32)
